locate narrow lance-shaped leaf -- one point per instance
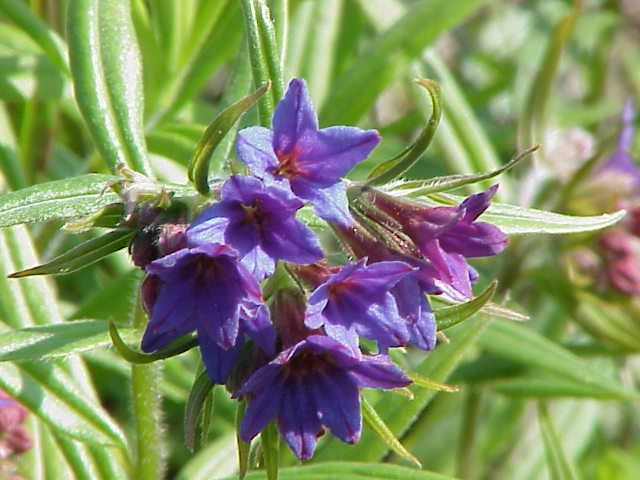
(402, 162)
(350, 471)
(20, 14)
(244, 448)
(560, 466)
(68, 198)
(174, 348)
(422, 381)
(47, 390)
(83, 255)
(107, 77)
(213, 135)
(449, 182)
(449, 316)
(58, 340)
(202, 387)
(527, 347)
(270, 446)
(515, 220)
(376, 423)
(530, 129)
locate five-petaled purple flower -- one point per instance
(205, 288)
(314, 383)
(357, 300)
(258, 221)
(312, 160)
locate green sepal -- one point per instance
(202, 388)
(396, 166)
(213, 135)
(83, 255)
(270, 446)
(176, 347)
(449, 316)
(244, 448)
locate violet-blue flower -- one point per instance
(314, 383)
(258, 221)
(620, 160)
(357, 301)
(312, 160)
(205, 288)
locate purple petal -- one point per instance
(338, 400)
(255, 149)
(260, 381)
(218, 361)
(241, 189)
(219, 317)
(329, 201)
(153, 340)
(478, 239)
(341, 355)
(211, 224)
(261, 410)
(293, 118)
(292, 241)
(377, 371)
(255, 319)
(476, 204)
(259, 262)
(375, 279)
(327, 155)
(298, 422)
(416, 312)
(346, 336)
(383, 324)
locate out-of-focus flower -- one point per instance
(312, 384)
(566, 150)
(313, 161)
(205, 288)
(14, 437)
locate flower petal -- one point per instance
(377, 371)
(291, 241)
(261, 410)
(476, 204)
(298, 422)
(294, 116)
(338, 400)
(329, 201)
(259, 262)
(255, 320)
(218, 361)
(328, 154)
(255, 149)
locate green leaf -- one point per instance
(560, 467)
(213, 135)
(449, 182)
(371, 71)
(270, 441)
(201, 389)
(48, 391)
(20, 14)
(514, 220)
(58, 340)
(527, 347)
(107, 76)
(83, 255)
(69, 198)
(393, 168)
(374, 421)
(350, 471)
(449, 316)
(181, 345)
(425, 382)
(243, 448)
(264, 55)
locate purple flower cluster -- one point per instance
(206, 277)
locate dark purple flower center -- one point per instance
(305, 364)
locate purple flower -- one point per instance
(205, 288)
(14, 437)
(447, 236)
(314, 383)
(409, 292)
(259, 222)
(621, 160)
(357, 300)
(312, 160)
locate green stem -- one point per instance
(264, 55)
(147, 414)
